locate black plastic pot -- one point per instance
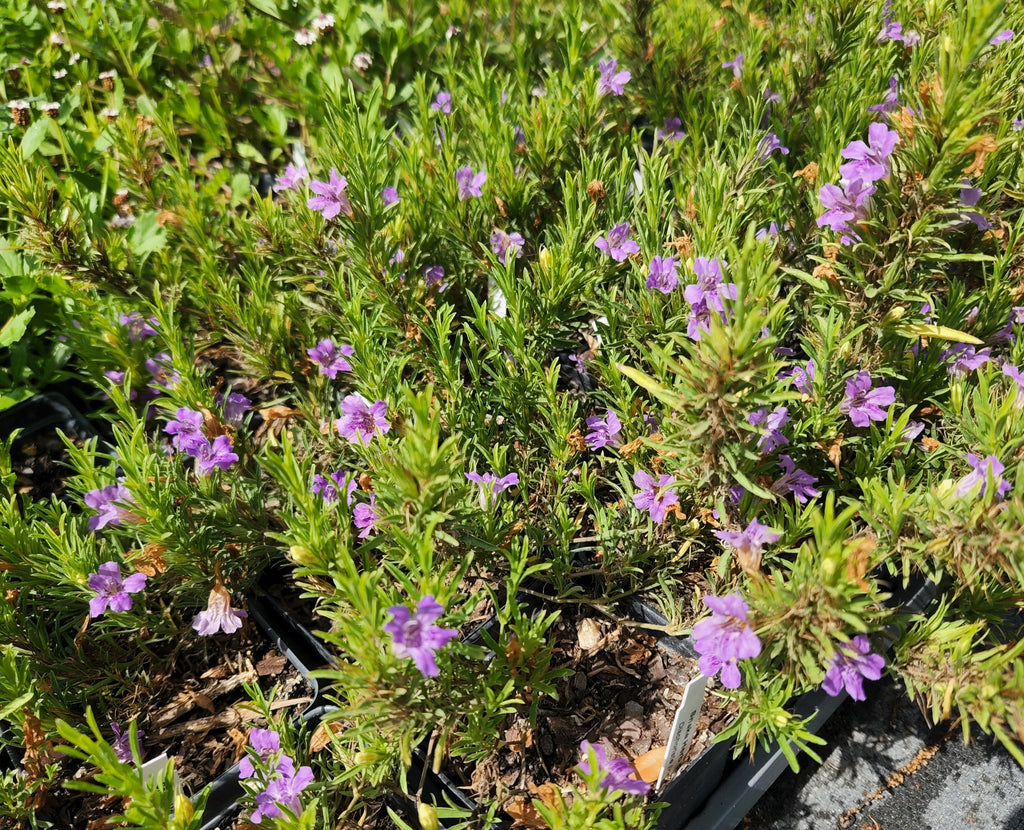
(307, 654)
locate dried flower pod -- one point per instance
(50, 108)
(57, 6)
(595, 190)
(107, 79)
(19, 112)
(110, 113)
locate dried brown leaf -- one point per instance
(272, 664)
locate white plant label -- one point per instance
(496, 298)
(683, 727)
(155, 767)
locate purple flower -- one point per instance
(293, 177)
(122, 743)
(111, 590)
(981, 470)
(772, 97)
(969, 197)
(1002, 37)
(603, 432)
(433, 275)
(725, 638)
(654, 497)
(851, 663)
(505, 243)
(490, 485)
(267, 743)
(773, 438)
(442, 103)
(736, 65)
(964, 359)
(844, 206)
(801, 377)
(662, 274)
(869, 162)
(710, 289)
(330, 199)
(360, 420)
(1017, 124)
(864, 404)
(611, 82)
(328, 488)
(139, 327)
(218, 454)
(616, 774)
(469, 183)
(671, 131)
(331, 357)
(1014, 374)
(768, 145)
(749, 542)
(187, 431)
(284, 790)
(794, 481)
(105, 501)
(617, 243)
(891, 101)
(365, 516)
(415, 636)
(219, 615)
(389, 196)
(235, 406)
(771, 231)
(165, 376)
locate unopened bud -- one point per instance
(107, 79)
(365, 757)
(782, 718)
(19, 112)
(893, 314)
(427, 816)
(301, 555)
(546, 259)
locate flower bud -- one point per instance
(893, 314)
(427, 816)
(365, 757)
(183, 810)
(546, 260)
(301, 555)
(782, 718)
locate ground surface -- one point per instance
(944, 784)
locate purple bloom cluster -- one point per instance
(490, 485)
(219, 615)
(331, 357)
(892, 29)
(442, 103)
(414, 634)
(891, 101)
(750, 541)
(122, 743)
(982, 469)
(663, 275)
(360, 420)
(707, 295)
(331, 198)
(612, 82)
(794, 481)
(617, 774)
(389, 196)
(365, 516)
(275, 773)
(235, 406)
(801, 377)
(851, 664)
(654, 496)
(672, 130)
(105, 501)
(505, 243)
(725, 638)
(112, 591)
(768, 145)
(188, 437)
(139, 327)
(1014, 374)
(604, 432)
(293, 177)
(617, 243)
(963, 359)
(864, 404)
(329, 488)
(469, 183)
(736, 65)
(867, 163)
(162, 372)
(773, 422)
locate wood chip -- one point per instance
(648, 765)
(272, 664)
(589, 635)
(524, 814)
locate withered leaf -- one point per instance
(648, 765)
(273, 663)
(322, 735)
(273, 413)
(930, 444)
(524, 814)
(204, 702)
(833, 449)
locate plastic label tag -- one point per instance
(496, 298)
(683, 727)
(154, 768)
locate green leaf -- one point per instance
(247, 151)
(915, 330)
(34, 137)
(14, 329)
(146, 235)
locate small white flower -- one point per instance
(361, 61)
(59, 73)
(323, 22)
(305, 37)
(56, 6)
(57, 39)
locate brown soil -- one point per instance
(196, 710)
(622, 693)
(41, 464)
